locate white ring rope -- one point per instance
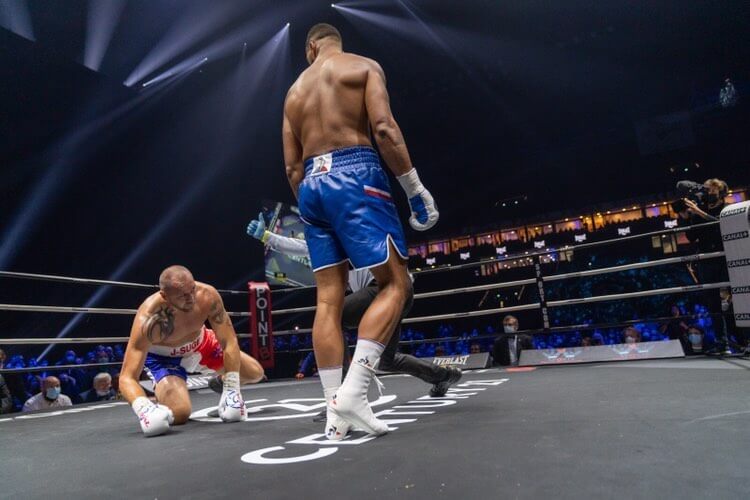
(567, 248)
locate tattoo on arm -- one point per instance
(159, 325)
(218, 315)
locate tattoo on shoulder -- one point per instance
(218, 315)
(159, 325)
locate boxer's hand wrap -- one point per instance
(231, 405)
(155, 419)
(257, 229)
(424, 212)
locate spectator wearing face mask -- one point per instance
(508, 346)
(49, 397)
(695, 337)
(631, 335)
(101, 391)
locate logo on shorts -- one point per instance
(322, 164)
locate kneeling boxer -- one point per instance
(170, 338)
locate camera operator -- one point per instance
(703, 203)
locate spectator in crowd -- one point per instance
(675, 328)
(120, 353)
(101, 391)
(508, 346)
(586, 341)
(2, 359)
(49, 397)
(307, 366)
(695, 338)
(631, 335)
(475, 348)
(6, 400)
(70, 385)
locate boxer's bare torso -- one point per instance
(326, 105)
(165, 325)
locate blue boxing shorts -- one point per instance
(345, 202)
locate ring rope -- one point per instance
(87, 310)
(637, 265)
(633, 295)
(58, 367)
(566, 248)
(577, 274)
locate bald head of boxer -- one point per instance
(322, 38)
(177, 288)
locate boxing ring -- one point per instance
(672, 427)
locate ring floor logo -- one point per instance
(316, 446)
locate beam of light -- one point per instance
(224, 46)
(247, 80)
(66, 155)
(416, 30)
(257, 66)
(15, 17)
(192, 27)
(103, 16)
(183, 68)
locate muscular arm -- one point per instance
(147, 327)
(384, 127)
(224, 330)
(295, 171)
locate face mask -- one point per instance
(509, 329)
(695, 339)
(725, 305)
(712, 198)
(102, 393)
(103, 360)
(53, 393)
(629, 340)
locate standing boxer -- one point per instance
(345, 201)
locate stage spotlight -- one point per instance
(191, 27)
(103, 16)
(15, 17)
(182, 68)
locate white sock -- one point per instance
(330, 378)
(368, 353)
(365, 359)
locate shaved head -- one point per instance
(173, 277)
(322, 30)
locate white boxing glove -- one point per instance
(231, 405)
(155, 419)
(424, 212)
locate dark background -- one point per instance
(559, 103)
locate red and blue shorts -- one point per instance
(201, 355)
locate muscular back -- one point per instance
(326, 105)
